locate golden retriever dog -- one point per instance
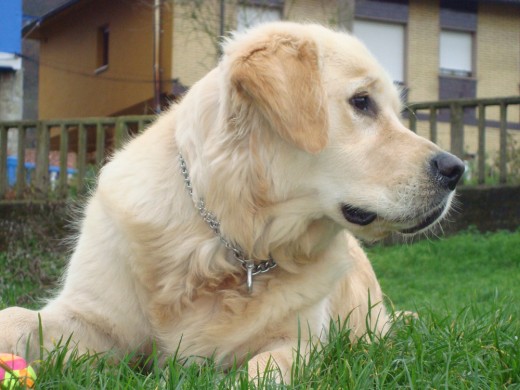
(226, 229)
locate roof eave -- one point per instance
(30, 30)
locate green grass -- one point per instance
(30, 271)
(465, 290)
(451, 273)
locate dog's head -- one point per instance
(325, 118)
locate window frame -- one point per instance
(102, 48)
(459, 73)
(401, 83)
(259, 5)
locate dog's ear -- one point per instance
(282, 79)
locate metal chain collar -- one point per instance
(247, 264)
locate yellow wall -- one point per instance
(498, 50)
(497, 69)
(195, 33)
(422, 60)
(315, 11)
(196, 30)
(69, 86)
(498, 54)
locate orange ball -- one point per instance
(15, 372)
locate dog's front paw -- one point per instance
(271, 365)
(19, 332)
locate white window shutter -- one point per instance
(386, 41)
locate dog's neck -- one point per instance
(251, 266)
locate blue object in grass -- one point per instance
(12, 166)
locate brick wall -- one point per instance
(498, 54)
(423, 51)
(497, 45)
(316, 11)
(194, 52)
(487, 208)
(498, 50)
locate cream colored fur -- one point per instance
(274, 147)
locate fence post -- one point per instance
(457, 130)
(3, 161)
(100, 143)
(433, 124)
(20, 156)
(413, 120)
(82, 158)
(481, 144)
(121, 133)
(503, 143)
(42, 158)
(64, 150)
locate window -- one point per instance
(456, 53)
(253, 13)
(103, 39)
(458, 27)
(389, 51)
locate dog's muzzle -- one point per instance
(445, 170)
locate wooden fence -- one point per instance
(91, 140)
(464, 113)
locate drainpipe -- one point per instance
(222, 18)
(157, 56)
(222, 26)
(346, 10)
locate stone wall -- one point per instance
(11, 95)
(486, 208)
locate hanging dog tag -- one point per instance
(249, 269)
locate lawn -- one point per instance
(465, 290)
(452, 273)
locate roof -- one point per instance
(30, 27)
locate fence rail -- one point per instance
(55, 158)
(455, 112)
(88, 140)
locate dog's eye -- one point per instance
(361, 102)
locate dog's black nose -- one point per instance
(448, 169)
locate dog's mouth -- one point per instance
(362, 217)
(426, 220)
(357, 216)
